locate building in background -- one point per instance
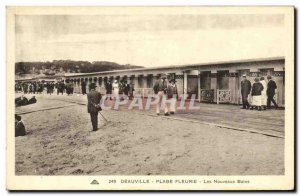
(217, 82)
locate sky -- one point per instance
(149, 40)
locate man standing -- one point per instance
(126, 88)
(25, 88)
(108, 87)
(130, 90)
(271, 92)
(172, 93)
(94, 98)
(34, 87)
(83, 87)
(245, 91)
(160, 88)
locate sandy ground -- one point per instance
(59, 142)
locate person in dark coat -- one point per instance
(126, 88)
(19, 126)
(32, 100)
(108, 87)
(172, 94)
(34, 87)
(130, 90)
(83, 87)
(60, 88)
(94, 98)
(30, 88)
(271, 92)
(25, 88)
(245, 91)
(257, 88)
(21, 101)
(68, 88)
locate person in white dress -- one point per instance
(115, 87)
(264, 96)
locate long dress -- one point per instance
(115, 87)
(264, 96)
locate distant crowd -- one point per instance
(38, 87)
(112, 88)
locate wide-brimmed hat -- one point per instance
(93, 85)
(244, 75)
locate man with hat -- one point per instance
(108, 87)
(245, 91)
(83, 87)
(271, 92)
(160, 88)
(94, 98)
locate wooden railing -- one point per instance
(224, 96)
(207, 95)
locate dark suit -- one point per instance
(256, 89)
(245, 91)
(126, 89)
(83, 87)
(108, 87)
(94, 98)
(160, 85)
(271, 92)
(19, 129)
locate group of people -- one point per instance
(30, 87)
(169, 89)
(62, 87)
(50, 87)
(115, 89)
(38, 87)
(161, 88)
(262, 93)
(21, 101)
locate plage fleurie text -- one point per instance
(177, 181)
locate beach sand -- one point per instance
(60, 142)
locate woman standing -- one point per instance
(115, 87)
(257, 88)
(264, 96)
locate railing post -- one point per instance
(199, 95)
(217, 96)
